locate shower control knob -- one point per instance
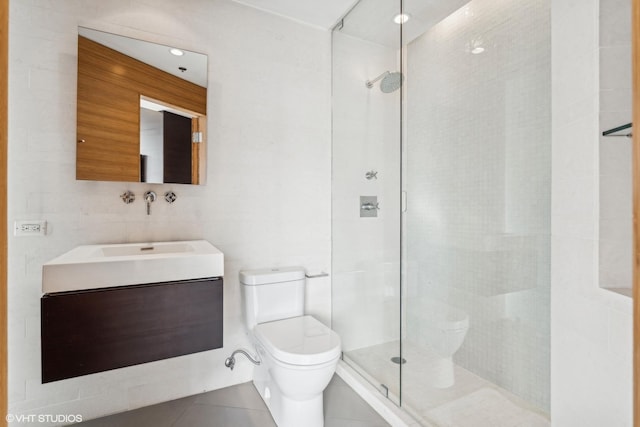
(371, 175)
(370, 206)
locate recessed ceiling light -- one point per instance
(176, 52)
(401, 18)
(477, 50)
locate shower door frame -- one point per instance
(636, 210)
(368, 377)
(4, 89)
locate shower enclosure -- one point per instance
(441, 206)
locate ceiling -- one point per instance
(319, 13)
(370, 20)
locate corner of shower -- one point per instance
(440, 238)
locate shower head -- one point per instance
(390, 81)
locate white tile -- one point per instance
(615, 22)
(615, 67)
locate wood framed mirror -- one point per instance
(141, 111)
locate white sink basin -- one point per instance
(104, 266)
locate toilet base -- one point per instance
(288, 412)
(441, 372)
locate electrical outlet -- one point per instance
(30, 228)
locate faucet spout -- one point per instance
(149, 197)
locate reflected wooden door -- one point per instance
(176, 131)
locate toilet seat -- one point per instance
(299, 340)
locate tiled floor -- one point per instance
(470, 402)
(241, 406)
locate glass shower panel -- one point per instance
(476, 168)
(366, 192)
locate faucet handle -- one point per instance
(170, 197)
(128, 197)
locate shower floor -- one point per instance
(470, 402)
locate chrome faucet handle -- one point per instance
(372, 174)
(370, 206)
(149, 197)
(170, 197)
(128, 197)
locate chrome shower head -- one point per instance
(390, 81)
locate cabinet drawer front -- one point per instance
(86, 332)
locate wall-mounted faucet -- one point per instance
(149, 197)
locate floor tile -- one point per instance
(471, 401)
(199, 415)
(239, 396)
(342, 403)
(161, 415)
(340, 422)
(242, 406)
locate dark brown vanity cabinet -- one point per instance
(85, 332)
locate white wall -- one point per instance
(591, 328)
(616, 213)
(266, 201)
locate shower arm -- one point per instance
(370, 83)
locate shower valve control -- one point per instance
(369, 206)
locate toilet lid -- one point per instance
(299, 340)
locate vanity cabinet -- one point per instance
(95, 330)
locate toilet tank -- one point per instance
(272, 294)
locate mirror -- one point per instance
(141, 111)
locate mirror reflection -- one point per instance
(141, 111)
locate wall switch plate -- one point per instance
(30, 228)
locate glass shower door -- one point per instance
(477, 226)
(366, 192)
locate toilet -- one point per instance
(298, 354)
(441, 328)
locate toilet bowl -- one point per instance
(298, 354)
(441, 328)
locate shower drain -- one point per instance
(399, 360)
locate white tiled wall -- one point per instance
(591, 328)
(478, 183)
(266, 201)
(615, 245)
(366, 251)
